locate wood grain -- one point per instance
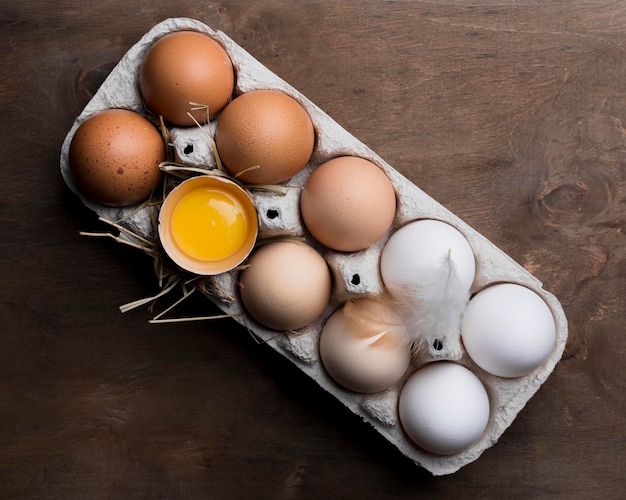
(510, 114)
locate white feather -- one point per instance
(432, 307)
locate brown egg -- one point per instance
(184, 67)
(266, 129)
(114, 157)
(286, 286)
(348, 203)
(363, 345)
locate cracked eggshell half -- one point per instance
(208, 225)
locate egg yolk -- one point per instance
(209, 224)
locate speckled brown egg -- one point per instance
(114, 157)
(182, 68)
(264, 137)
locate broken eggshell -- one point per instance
(224, 230)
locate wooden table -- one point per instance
(509, 114)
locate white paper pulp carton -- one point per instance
(355, 274)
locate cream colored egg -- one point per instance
(286, 286)
(363, 346)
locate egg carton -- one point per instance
(355, 274)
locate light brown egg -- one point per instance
(264, 137)
(114, 157)
(286, 286)
(348, 203)
(184, 67)
(363, 346)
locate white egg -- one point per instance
(444, 408)
(508, 330)
(428, 267)
(418, 256)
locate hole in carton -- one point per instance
(437, 344)
(356, 279)
(272, 213)
(188, 149)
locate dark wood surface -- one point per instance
(512, 114)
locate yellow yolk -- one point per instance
(209, 224)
